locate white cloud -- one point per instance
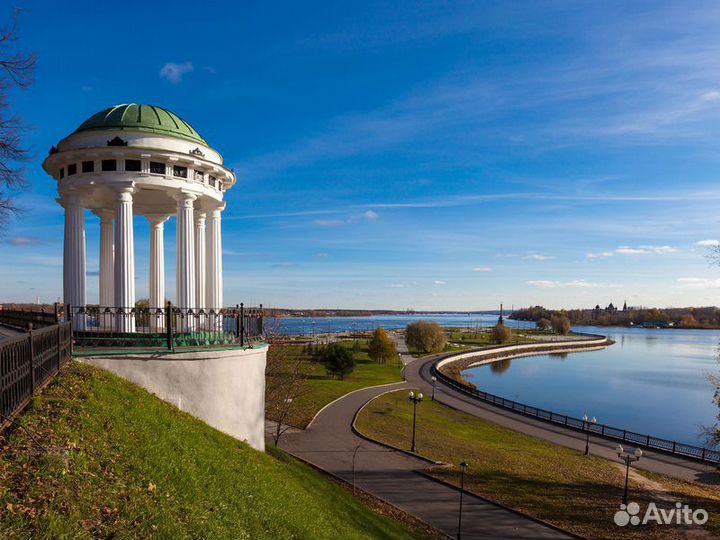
(574, 284)
(538, 257)
(482, 269)
(440, 282)
(600, 255)
(395, 286)
(711, 96)
(174, 72)
(328, 222)
(698, 283)
(371, 215)
(708, 243)
(643, 250)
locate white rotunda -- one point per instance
(144, 160)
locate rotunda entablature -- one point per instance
(148, 147)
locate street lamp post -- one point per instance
(628, 457)
(434, 380)
(415, 398)
(463, 468)
(586, 427)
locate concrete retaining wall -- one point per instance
(224, 388)
(526, 349)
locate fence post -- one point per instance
(237, 320)
(673, 447)
(647, 442)
(32, 357)
(242, 324)
(169, 326)
(703, 454)
(261, 320)
(59, 349)
(57, 312)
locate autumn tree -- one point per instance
(543, 324)
(560, 323)
(425, 336)
(501, 333)
(381, 347)
(16, 71)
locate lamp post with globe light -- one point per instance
(628, 457)
(415, 397)
(434, 380)
(463, 468)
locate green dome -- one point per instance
(149, 118)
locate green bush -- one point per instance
(338, 360)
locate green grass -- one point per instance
(484, 338)
(578, 493)
(323, 389)
(108, 459)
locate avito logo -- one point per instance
(682, 514)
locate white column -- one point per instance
(124, 258)
(213, 261)
(214, 288)
(157, 270)
(107, 258)
(74, 257)
(185, 278)
(200, 258)
(157, 260)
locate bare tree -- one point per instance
(16, 71)
(288, 369)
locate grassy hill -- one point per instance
(97, 456)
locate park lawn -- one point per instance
(482, 339)
(559, 485)
(98, 457)
(322, 389)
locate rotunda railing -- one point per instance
(169, 327)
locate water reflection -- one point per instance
(501, 366)
(651, 381)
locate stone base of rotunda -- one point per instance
(224, 388)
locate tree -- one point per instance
(288, 369)
(425, 336)
(286, 377)
(560, 323)
(16, 71)
(381, 347)
(543, 324)
(501, 333)
(338, 361)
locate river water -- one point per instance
(650, 381)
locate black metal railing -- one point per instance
(167, 327)
(608, 432)
(20, 318)
(28, 362)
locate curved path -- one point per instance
(329, 443)
(417, 374)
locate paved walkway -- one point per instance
(6, 332)
(330, 444)
(417, 374)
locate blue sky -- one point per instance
(406, 155)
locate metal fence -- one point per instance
(28, 362)
(20, 318)
(167, 327)
(609, 432)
